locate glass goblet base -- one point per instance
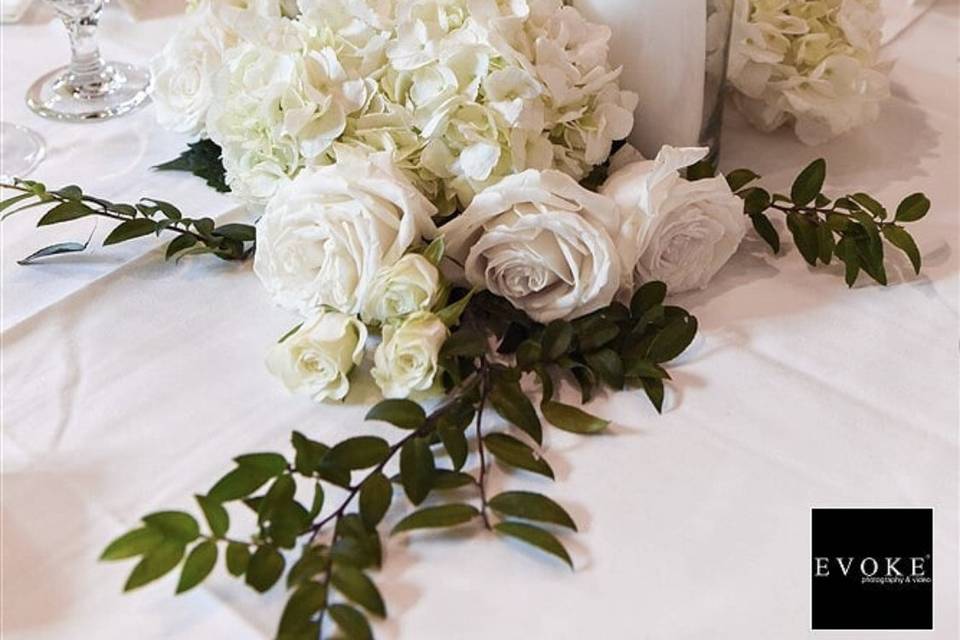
(117, 89)
(21, 150)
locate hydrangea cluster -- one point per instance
(462, 93)
(813, 64)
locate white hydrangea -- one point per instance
(462, 93)
(812, 64)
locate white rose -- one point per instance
(544, 243)
(326, 235)
(684, 231)
(183, 72)
(410, 285)
(406, 360)
(317, 358)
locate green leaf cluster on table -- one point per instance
(194, 236)
(204, 160)
(327, 551)
(852, 229)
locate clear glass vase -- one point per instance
(674, 56)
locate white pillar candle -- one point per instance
(661, 45)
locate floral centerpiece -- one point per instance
(439, 209)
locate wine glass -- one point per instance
(88, 88)
(21, 150)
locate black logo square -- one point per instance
(872, 569)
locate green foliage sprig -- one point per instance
(204, 160)
(149, 216)
(851, 229)
(327, 551)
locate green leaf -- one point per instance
(512, 452)
(238, 558)
(265, 568)
(132, 543)
(653, 387)
(238, 232)
(308, 453)
(239, 483)
(740, 178)
(416, 469)
(448, 515)
(174, 525)
(572, 419)
(805, 236)
(464, 344)
(202, 159)
(913, 208)
(129, 230)
(531, 506)
(825, 243)
(847, 252)
(455, 444)
(64, 212)
(361, 452)
(272, 463)
(901, 239)
(216, 515)
(306, 601)
(156, 563)
(317, 505)
(450, 315)
(376, 492)
(9, 202)
(647, 297)
(178, 244)
(199, 564)
(434, 251)
(403, 414)
(766, 231)
(809, 183)
(608, 366)
(557, 340)
(447, 480)
(54, 250)
(536, 537)
(351, 622)
(278, 496)
(673, 339)
(642, 368)
(515, 407)
(755, 200)
(355, 585)
(870, 205)
(700, 171)
(595, 333)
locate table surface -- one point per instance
(128, 383)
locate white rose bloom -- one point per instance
(183, 72)
(685, 231)
(406, 360)
(317, 358)
(411, 284)
(326, 235)
(544, 243)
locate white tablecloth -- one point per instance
(128, 383)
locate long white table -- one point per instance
(128, 383)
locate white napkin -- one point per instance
(900, 14)
(13, 10)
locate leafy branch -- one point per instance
(339, 546)
(149, 216)
(851, 228)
